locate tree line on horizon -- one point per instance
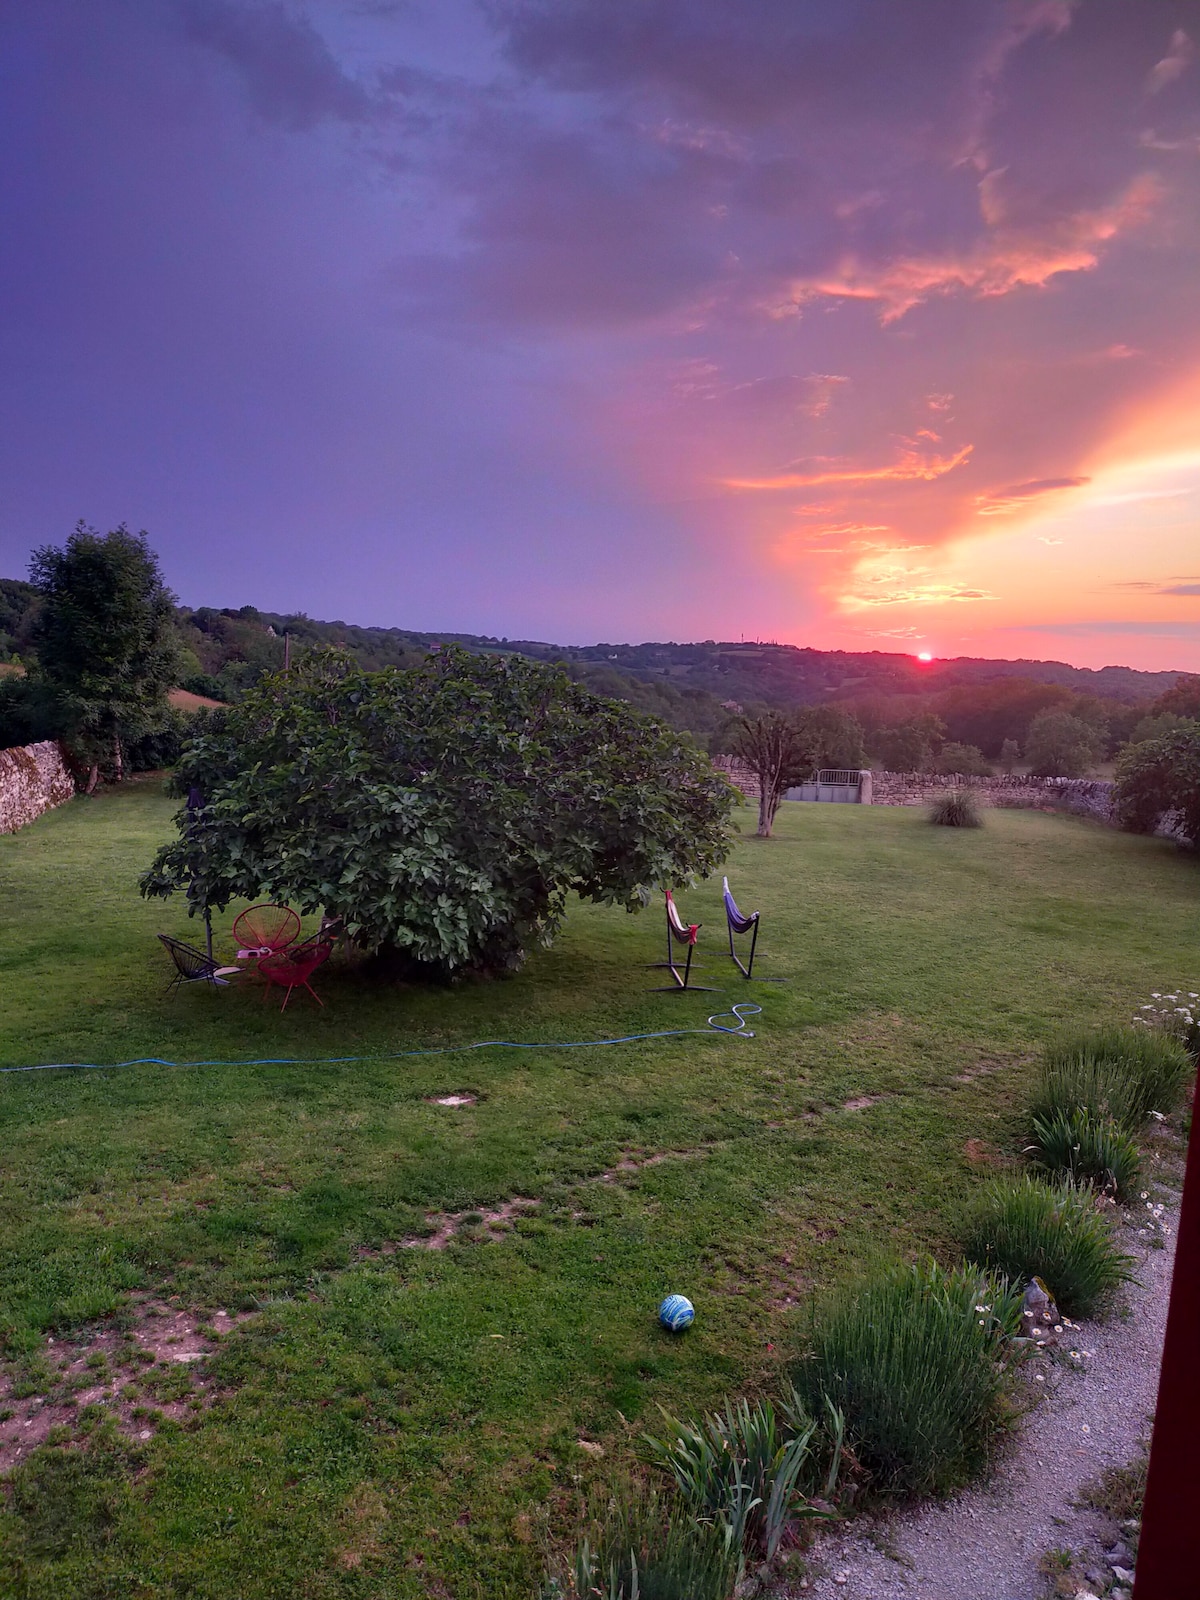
(102, 598)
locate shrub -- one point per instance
(967, 759)
(740, 1470)
(1033, 1230)
(1158, 777)
(912, 1359)
(956, 808)
(644, 1550)
(1084, 1147)
(1122, 1073)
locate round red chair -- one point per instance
(292, 968)
(262, 930)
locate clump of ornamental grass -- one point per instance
(1031, 1229)
(1084, 1147)
(1123, 1073)
(742, 1468)
(914, 1360)
(956, 808)
(643, 1548)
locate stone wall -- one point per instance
(738, 773)
(1089, 797)
(33, 778)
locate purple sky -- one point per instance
(868, 323)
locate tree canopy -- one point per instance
(1062, 746)
(105, 637)
(783, 749)
(443, 811)
(1160, 776)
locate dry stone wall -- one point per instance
(738, 773)
(33, 778)
(1090, 797)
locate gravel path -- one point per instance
(986, 1545)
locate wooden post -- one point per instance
(1168, 1562)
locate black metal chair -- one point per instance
(194, 966)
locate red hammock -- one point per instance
(679, 932)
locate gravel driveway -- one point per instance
(986, 1545)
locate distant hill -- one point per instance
(784, 674)
(698, 687)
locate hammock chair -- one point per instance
(680, 933)
(740, 924)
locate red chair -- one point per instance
(264, 929)
(292, 968)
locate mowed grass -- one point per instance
(409, 1424)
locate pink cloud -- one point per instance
(1011, 257)
(1179, 53)
(911, 466)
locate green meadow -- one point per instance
(408, 1422)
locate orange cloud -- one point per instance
(911, 466)
(925, 594)
(1018, 495)
(1010, 258)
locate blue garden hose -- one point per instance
(741, 1011)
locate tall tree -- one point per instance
(832, 738)
(777, 752)
(1062, 746)
(1183, 698)
(105, 639)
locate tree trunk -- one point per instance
(768, 802)
(93, 779)
(765, 814)
(118, 760)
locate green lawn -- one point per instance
(408, 1424)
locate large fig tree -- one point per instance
(444, 812)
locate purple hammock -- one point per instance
(740, 924)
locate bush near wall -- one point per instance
(1084, 796)
(33, 778)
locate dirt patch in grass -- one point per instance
(632, 1161)
(982, 1156)
(148, 1364)
(447, 1225)
(986, 1065)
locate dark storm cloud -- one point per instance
(716, 158)
(289, 72)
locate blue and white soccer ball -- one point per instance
(676, 1313)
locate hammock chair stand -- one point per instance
(679, 933)
(739, 924)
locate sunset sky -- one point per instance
(868, 324)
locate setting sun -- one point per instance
(924, 655)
